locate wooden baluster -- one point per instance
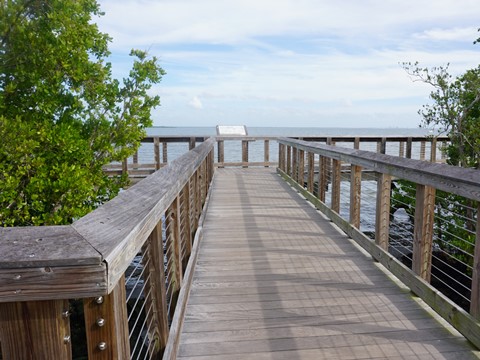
(355, 194)
(221, 153)
(356, 143)
(281, 157)
(401, 149)
(245, 153)
(322, 178)
(301, 168)
(112, 336)
(155, 287)
(192, 143)
(165, 152)
(294, 164)
(382, 214)
(422, 150)
(311, 172)
(289, 161)
(156, 150)
(423, 231)
(475, 297)
(187, 235)
(383, 146)
(433, 150)
(173, 233)
(266, 153)
(409, 148)
(35, 330)
(336, 178)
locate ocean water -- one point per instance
(256, 148)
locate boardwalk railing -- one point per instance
(124, 263)
(261, 150)
(428, 255)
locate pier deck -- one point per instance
(274, 279)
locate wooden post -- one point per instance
(35, 330)
(401, 149)
(289, 160)
(173, 234)
(281, 157)
(311, 172)
(165, 152)
(156, 149)
(475, 297)
(322, 178)
(409, 148)
(266, 155)
(336, 174)
(107, 325)
(423, 231)
(187, 229)
(422, 150)
(433, 150)
(383, 146)
(356, 143)
(294, 164)
(155, 287)
(355, 194)
(382, 214)
(301, 168)
(221, 152)
(244, 153)
(192, 143)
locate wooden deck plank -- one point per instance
(275, 280)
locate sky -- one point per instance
(309, 63)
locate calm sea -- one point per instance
(256, 148)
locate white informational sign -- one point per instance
(235, 130)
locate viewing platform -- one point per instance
(287, 257)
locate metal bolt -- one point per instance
(67, 339)
(66, 313)
(17, 277)
(99, 300)
(102, 346)
(100, 322)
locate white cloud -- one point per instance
(196, 103)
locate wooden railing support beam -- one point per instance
(423, 231)
(35, 330)
(382, 214)
(106, 325)
(355, 194)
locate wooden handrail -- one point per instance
(428, 177)
(43, 267)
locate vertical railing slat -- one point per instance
(35, 330)
(106, 325)
(355, 194)
(382, 213)
(423, 231)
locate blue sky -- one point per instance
(292, 62)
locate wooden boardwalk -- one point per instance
(276, 280)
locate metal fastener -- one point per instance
(67, 339)
(66, 313)
(100, 322)
(99, 300)
(102, 346)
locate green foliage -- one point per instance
(454, 221)
(455, 110)
(62, 114)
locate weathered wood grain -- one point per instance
(274, 277)
(460, 181)
(457, 317)
(35, 330)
